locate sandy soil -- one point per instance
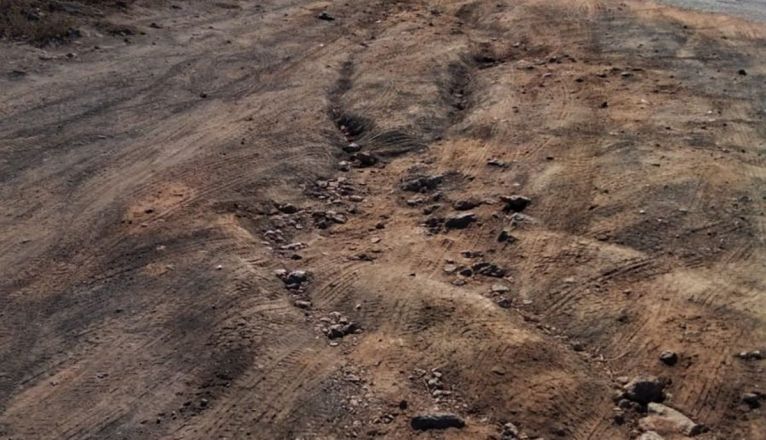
(153, 187)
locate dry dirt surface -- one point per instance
(248, 220)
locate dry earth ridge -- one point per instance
(385, 219)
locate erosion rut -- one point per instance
(145, 192)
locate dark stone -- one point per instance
(465, 205)
(352, 148)
(505, 236)
(645, 390)
(669, 358)
(422, 183)
(340, 330)
(515, 203)
(325, 16)
(753, 400)
(742, 72)
(489, 269)
(436, 421)
(460, 221)
(363, 160)
(287, 208)
(296, 277)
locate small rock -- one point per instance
(750, 355)
(666, 420)
(753, 400)
(465, 205)
(650, 435)
(450, 268)
(489, 270)
(344, 165)
(500, 288)
(505, 236)
(336, 331)
(497, 163)
(645, 389)
(325, 16)
(353, 147)
(436, 421)
(515, 203)
(742, 72)
(287, 208)
(505, 303)
(510, 431)
(363, 160)
(460, 221)
(301, 304)
(669, 358)
(296, 277)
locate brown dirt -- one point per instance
(140, 178)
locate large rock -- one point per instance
(515, 203)
(645, 389)
(460, 221)
(666, 420)
(436, 421)
(422, 183)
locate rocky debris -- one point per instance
(331, 189)
(669, 358)
(338, 326)
(645, 390)
(505, 237)
(436, 421)
(466, 205)
(275, 235)
(650, 435)
(434, 224)
(666, 420)
(324, 15)
(324, 219)
(753, 399)
(489, 269)
(293, 280)
(515, 203)
(754, 355)
(422, 183)
(460, 221)
(344, 165)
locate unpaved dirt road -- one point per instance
(153, 188)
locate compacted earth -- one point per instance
(426, 219)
